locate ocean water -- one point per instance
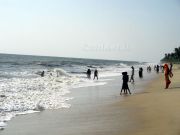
(23, 90)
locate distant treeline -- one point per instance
(172, 57)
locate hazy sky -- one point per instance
(140, 30)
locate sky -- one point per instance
(135, 30)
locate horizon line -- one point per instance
(36, 55)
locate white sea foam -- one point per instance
(26, 92)
(2, 125)
(36, 94)
(29, 95)
(89, 83)
(61, 72)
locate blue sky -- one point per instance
(140, 30)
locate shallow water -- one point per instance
(23, 90)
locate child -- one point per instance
(125, 86)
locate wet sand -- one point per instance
(95, 110)
(157, 110)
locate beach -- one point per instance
(96, 110)
(157, 109)
(89, 67)
(31, 84)
(100, 110)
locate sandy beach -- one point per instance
(157, 109)
(89, 67)
(100, 110)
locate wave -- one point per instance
(23, 95)
(48, 65)
(24, 91)
(78, 72)
(61, 72)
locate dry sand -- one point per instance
(157, 110)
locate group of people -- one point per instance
(132, 74)
(156, 68)
(89, 74)
(166, 69)
(125, 86)
(125, 79)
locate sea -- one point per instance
(24, 91)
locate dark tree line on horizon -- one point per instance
(172, 57)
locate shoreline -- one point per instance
(92, 112)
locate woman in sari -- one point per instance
(166, 74)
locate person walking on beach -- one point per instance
(96, 74)
(132, 75)
(125, 86)
(166, 74)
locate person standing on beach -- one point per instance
(141, 72)
(149, 69)
(132, 75)
(125, 86)
(96, 74)
(170, 70)
(157, 68)
(166, 74)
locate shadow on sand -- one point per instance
(178, 87)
